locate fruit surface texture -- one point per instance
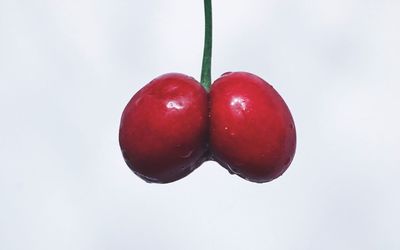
(164, 127)
(252, 132)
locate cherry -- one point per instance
(252, 132)
(163, 130)
(171, 126)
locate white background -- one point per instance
(68, 68)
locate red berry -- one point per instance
(252, 132)
(163, 131)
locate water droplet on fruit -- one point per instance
(226, 128)
(226, 73)
(187, 154)
(174, 105)
(228, 168)
(138, 100)
(287, 161)
(238, 103)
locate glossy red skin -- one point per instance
(252, 132)
(164, 127)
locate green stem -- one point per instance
(206, 66)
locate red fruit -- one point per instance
(163, 131)
(252, 132)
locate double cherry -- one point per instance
(172, 125)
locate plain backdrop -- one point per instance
(68, 68)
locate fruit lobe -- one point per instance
(252, 132)
(163, 130)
